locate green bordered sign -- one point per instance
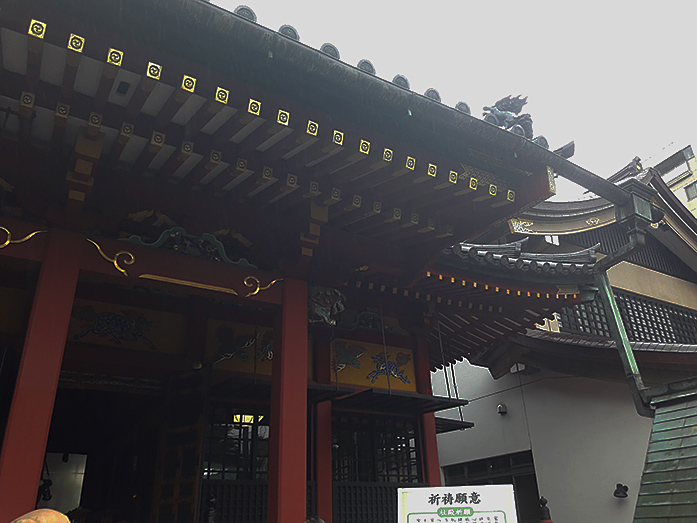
(471, 504)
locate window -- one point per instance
(691, 191)
(237, 444)
(512, 469)
(375, 449)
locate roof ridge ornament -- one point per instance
(330, 50)
(289, 32)
(506, 113)
(245, 12)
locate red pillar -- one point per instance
(25, 440)
(288, 437)
(428, 422)
(323, 437)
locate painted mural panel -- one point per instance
(239, 347)
(122, 327)
(359, 363)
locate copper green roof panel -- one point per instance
(668, 491)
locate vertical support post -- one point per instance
(323, 436)
(428, 421)
(24, 446)
(619, 335)
(288, 436)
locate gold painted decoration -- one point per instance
(129, 260)
(474, 184)
(493, 190)
(510, 195)
(387, 155)
(221, 95)
(188, 83)
(364, 147)
(432, 170)
(252, 281)
(76, 43)
(249, 281)
(410, 163)
(114, 57)
(283, 117)
(37, 29)
(338, 137)
(521, 226)
(153, 71)
(452, 177)
(188, 283)
(9, 239)
(254, 107)
(593, 221)
(312, 128)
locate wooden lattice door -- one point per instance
(178, 480)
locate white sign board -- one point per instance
(481, 504)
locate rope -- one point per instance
(457, 395)
(254, 355)
(442, 357)
(384, 347)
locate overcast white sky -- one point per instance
(618, 78)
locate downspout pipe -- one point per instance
(635, 215)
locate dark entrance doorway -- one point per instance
(117, 431)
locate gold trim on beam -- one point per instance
(249, 281)
(258, 289)
(9, 239)
(115, 260)
(187, 283)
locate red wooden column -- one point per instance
(288, 437)
(24, 445)
(323, 436)
(428, 435)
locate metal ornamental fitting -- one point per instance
(221, 95)
(254, 107)
(153, 71)
(312, 128)
(76, 43)
(114, 57)
(37, 29)
(283, 117)
(188, 83)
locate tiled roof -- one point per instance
(511, 256)
(606, 343)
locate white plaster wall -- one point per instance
(584, 434)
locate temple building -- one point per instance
(230, 263)
(559, 406)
